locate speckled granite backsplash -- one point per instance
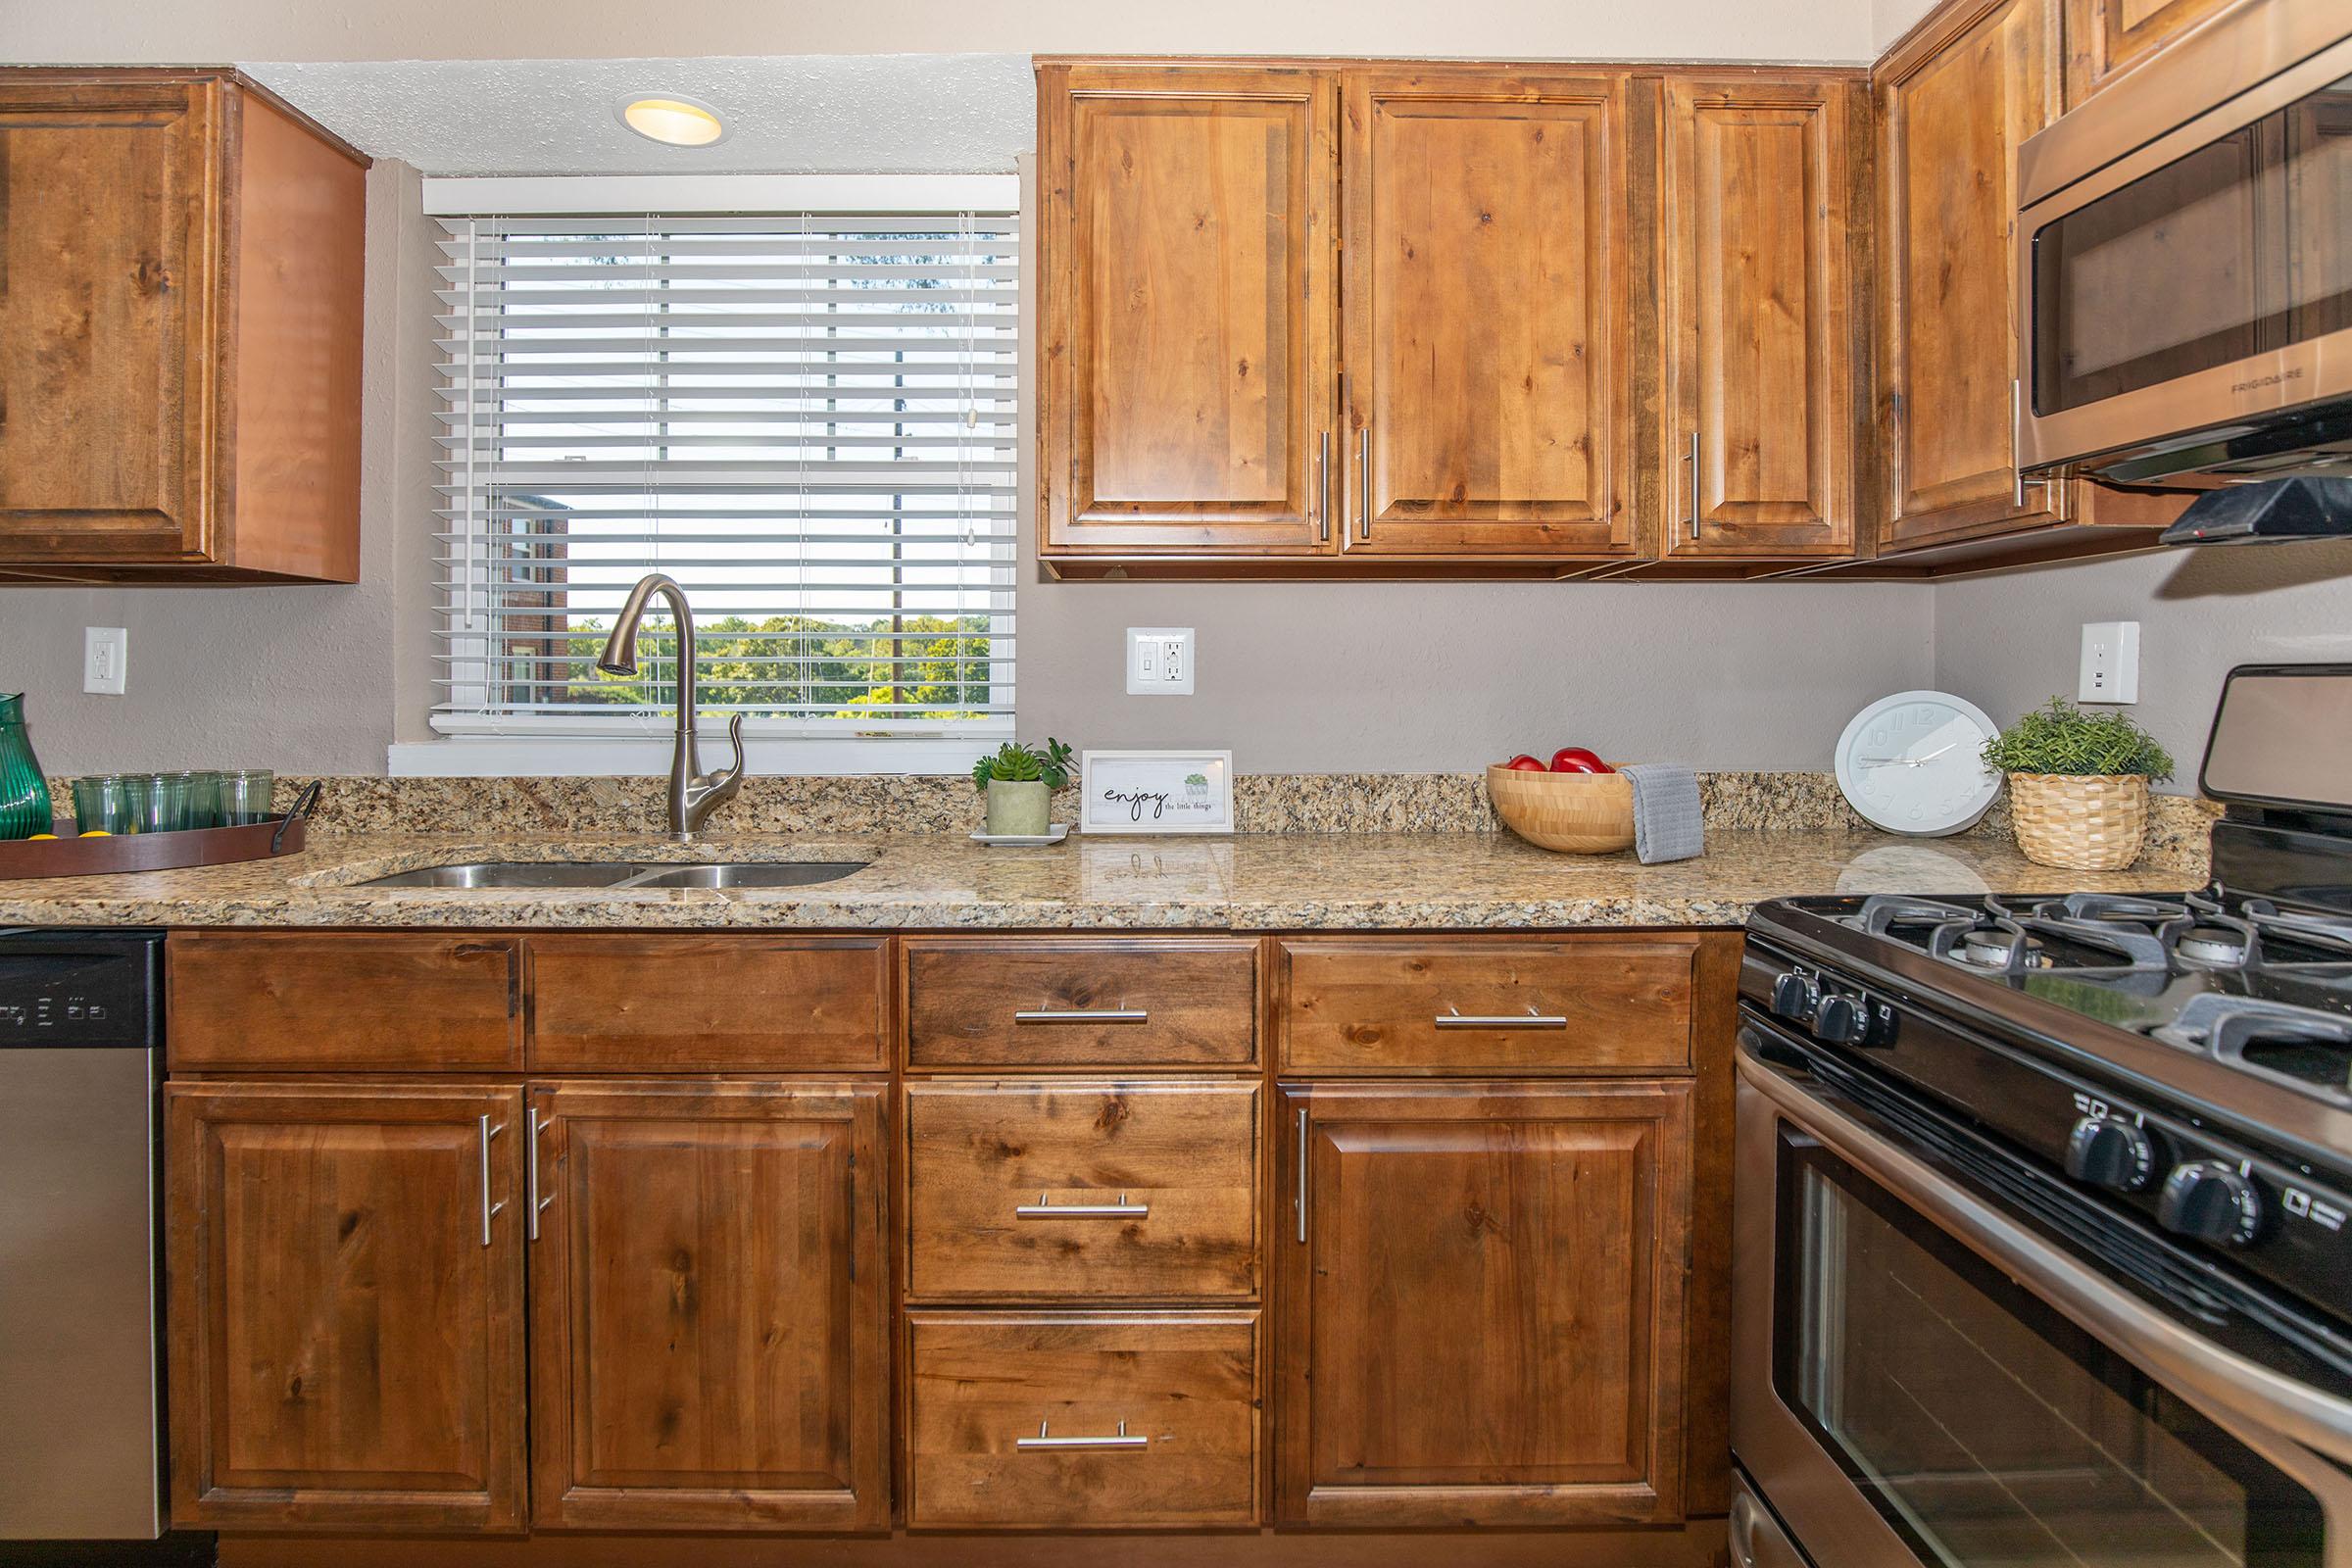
(1263, 803)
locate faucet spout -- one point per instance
(692, 794)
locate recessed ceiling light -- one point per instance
(674, 122)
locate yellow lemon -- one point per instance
(97, 833)
(32, 836)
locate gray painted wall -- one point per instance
(2011, 641)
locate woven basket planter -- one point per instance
(2080, 822)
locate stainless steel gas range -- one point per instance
(2044, 1242)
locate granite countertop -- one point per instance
(1259, 881)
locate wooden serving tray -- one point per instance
(68, 855)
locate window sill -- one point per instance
(629, 757)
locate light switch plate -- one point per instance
(2110, 671)
(105, 658)
(1160, 661)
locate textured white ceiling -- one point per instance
(785, 113)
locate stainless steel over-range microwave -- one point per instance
(2184, 261)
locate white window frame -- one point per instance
(628, 744)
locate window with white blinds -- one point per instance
(807, 418)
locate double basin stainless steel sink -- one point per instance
(621, 875)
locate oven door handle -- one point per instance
(2188, 1363)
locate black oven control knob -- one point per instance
(1794, 996)
(1841, 1020)
(2114, 1155)
(2210, 1202)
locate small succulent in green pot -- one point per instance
(2078, 785)
(1019, 782)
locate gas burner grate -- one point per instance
(2302, 1047)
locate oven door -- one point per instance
(2184, 258)
(1922, 1377)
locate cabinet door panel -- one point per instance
(2106, 37)
(1952, 108)
(1488, 298)
(108, 265)
(708, 1320)
(346, 1346)
(1484, 1323)
(1188, 306)
(1760, 351)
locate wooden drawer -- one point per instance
(1120, 1001)
(717, 1003)
(1167, 1170)
(1380, 1004)
(350, 1001)
(1175, 1395)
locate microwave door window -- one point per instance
(2319, 185)
(2187, 235)
(1984, 1427)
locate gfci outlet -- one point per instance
(2110, 663)
(1160, 661)
(105, 658)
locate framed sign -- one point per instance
(1155, 792)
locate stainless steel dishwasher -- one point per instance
(80, 1380)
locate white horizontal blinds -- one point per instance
(807, 420)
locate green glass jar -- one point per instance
(23, 791)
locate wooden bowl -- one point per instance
(1576, 813)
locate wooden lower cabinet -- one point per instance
(345, 1305)
(709, 1311)
(1479, 1315)
(1086, 1419)
(1446, 1281)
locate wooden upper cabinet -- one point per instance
(181, 266)
(1759, 318)
(710, 1315)
(1954, 100)
(1188, 306)
(1487, 302)
(1485, 1321)
(2107, 37)
(345, 1306)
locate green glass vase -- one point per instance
(23, 791)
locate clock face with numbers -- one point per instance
(1914, 764)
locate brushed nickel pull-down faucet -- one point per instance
(692, 794)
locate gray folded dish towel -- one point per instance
(1668, 824)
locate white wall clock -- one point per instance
(1914, 764)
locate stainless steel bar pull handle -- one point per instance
(1364, 483)
(1323, 488)
(1044, 1208)
(1300, 1201)
(530, 1167)
(1081, 1015)
(1456, 1018)
(1045, 1439)
(2017, 475)
(1692, 460)
(489, 1208)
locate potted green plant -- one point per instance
(1019, 782)
(2078, 784)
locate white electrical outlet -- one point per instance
(1160, 661)
(2110, 663)
(104, 659)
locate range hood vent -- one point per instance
(2270, 513)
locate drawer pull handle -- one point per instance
(1081, 1015)
(1045, 1209)
(1118, 1440)
(1456, 1018)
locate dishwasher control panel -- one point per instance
(80, 989)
